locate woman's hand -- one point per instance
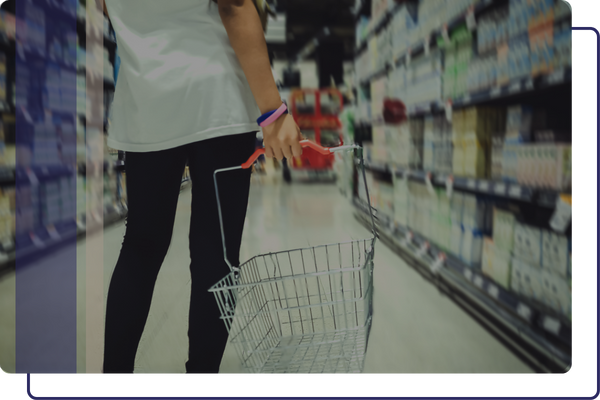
(282, 138)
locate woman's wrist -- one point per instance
(271, 107)
(270, 117)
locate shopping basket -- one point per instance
(300, 311)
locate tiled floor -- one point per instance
(416, 329)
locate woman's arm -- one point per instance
(104, 7)
(247, 38)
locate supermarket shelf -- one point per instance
(451, 24)
(534, 323)
(514, 88)
(27, 54)
(43, 241)
(512, 191)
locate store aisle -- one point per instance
(416, 329)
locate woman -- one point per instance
(195, 77)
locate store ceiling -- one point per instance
(306, 18)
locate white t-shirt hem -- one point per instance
(212, 133)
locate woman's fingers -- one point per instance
(296, 149)
(269, 152)
(287, 151)
(278, 153)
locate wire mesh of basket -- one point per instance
(300, 311)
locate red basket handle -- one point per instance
(304, 143)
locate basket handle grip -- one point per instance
(304, 143)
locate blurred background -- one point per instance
(463, 110)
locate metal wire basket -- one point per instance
(301, 311)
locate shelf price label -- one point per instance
(556, 77)
(484, 186)
(500, 189)
(36, 240)
(438, 263)
(495, 92)
(552, 325)
(449, 186)
(478, 281)
(468, 274)
(53, 232)
(493, 291)
(515, 191)
(529, 84)
(524, 311)
(423, 249)
(471, 184)
(515, 87)
(407, 239)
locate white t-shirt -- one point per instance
(180, 81)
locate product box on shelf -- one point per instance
(557, 292)
(456, 208)
(562, 177)
(504, 227)
(474, 212)
(458, 158)
(474, 154)
(555, 252)
(526, 280)
(528, 244)
(386, 199)
(501, 267)
(401, 200)
(497, 156)
(471, 247)
(487, 257)
(456, 235)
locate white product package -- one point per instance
(473, 212)
(557, 292)
(528, 243)
(527, 280)
(501, 267)
(471, 247)
(456, 234)
(555, 252)
(487, 259)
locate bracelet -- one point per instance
(272, 116)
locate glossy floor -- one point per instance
(416, 329)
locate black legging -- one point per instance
(153, 185)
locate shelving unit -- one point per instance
(34, 244)
(540, 331)
(544, 328)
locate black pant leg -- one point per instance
(153, 186)
(207, 333)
